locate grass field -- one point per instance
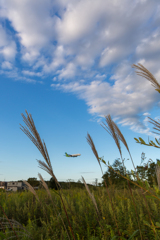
(41, 221)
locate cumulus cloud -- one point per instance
(121, 101)
(68, 71)
(31, 73)
(6, 65)
(90, 47)
(7, 46)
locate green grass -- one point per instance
(25, 209)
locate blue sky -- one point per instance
(68, 63)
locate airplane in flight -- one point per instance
(72, 155)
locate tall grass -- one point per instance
(114, 209)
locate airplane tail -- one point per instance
(66, 154)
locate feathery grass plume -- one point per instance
(121, 137)
(111, 131)
(91, 196)
(49, 194)
(148, 75)
(45, 186)
(157, 170)
(90, 142)
(115, 132)
(31, 189)
(156, 124)
(117, 135)
(35, 138)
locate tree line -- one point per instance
(146, 173)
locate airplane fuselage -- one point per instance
(72, 155)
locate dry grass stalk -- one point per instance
(91, 143)
(157, 124)
(91, 196)
(117, 135)
(31, 189)
(115, 132)
(35, 138)
(111, 131)
(94, 202)
(45, 186)
(121, 137)
(146, 74)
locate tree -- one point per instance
(151, 173)
(141, 171)
(99, 184)
(33, 182)
(96, 182)
(69, 183)
(148, 172)
(112, 177)
(52, 184)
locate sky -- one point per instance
(69, 64)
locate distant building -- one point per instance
(14, 186)
(3, 185)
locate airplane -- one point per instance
(72, 155)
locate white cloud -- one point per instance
(30, 56)
(57, 60)
(103, 99)
(33, 24)
(7, 46)
(9, 51)
(67, 72)
(6, 65)
(146, 114)
(32, 73)
(3, 38)
(92, 45)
